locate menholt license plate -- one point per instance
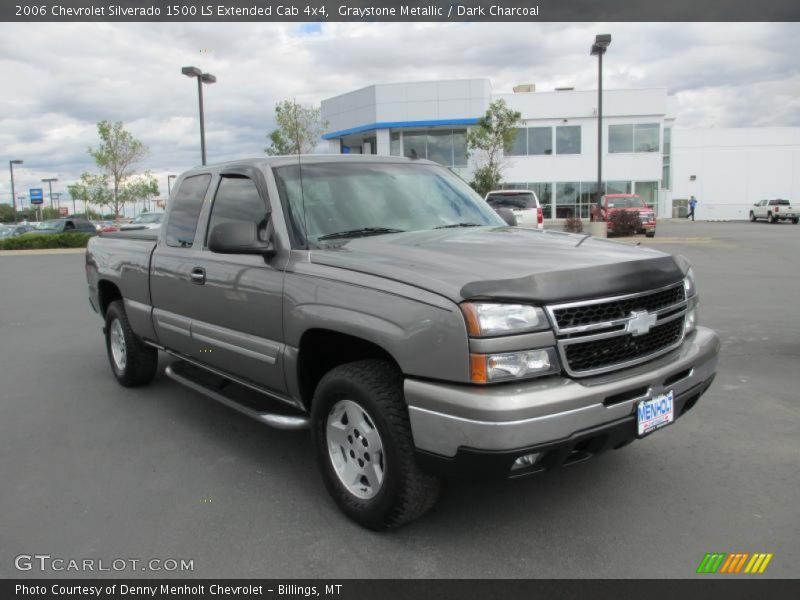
(655, 413)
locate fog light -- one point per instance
(523, 462)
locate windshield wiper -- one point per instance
(458, 225)
(363, 232)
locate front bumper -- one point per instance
(451, 421)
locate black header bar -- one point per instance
(398, 10)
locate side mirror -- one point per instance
(242, 237)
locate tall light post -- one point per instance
(601, 43)
(201, 79)
(49, 181)
(11, 164)
(169, 187)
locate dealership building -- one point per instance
(645, 151)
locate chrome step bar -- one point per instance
(278, 421)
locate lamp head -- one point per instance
(208, 78)
(191, 72)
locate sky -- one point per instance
(59, 79)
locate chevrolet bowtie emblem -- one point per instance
(640, 322)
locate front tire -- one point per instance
(752, 217)
(133, 362)
(362, 437)
(795, 220)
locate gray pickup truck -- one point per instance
(381, 303)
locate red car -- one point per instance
(612, 203)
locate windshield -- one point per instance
(515, 200)
(359, 198)
(54, 224)
(148, 218)
(633, 202)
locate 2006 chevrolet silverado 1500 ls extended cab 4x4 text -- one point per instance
(382, 303)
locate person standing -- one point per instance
(692, 204)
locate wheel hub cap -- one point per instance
(118, 348)
(355, 449)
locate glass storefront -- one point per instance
(448, 147)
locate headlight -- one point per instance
(688, 283)
(486, 320)
(488, 368)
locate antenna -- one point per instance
(300, 169)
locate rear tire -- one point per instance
(362, 437)
(795, 220)
(133, 362)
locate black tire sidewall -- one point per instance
(372, 512)
(141, 361)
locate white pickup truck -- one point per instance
(774, 211)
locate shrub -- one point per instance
(573, 224)
(624, 222)
(37, 241)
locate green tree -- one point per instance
(299, 129)
(494, 134)
(143, 187)
(115, 156)
(92, 189)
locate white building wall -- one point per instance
(734, 168)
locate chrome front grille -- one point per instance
(607, 334)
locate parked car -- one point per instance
(612, 203)
(523, 203)
(65, 225)
(143, 221)
(381, 303)
(774, 211)
(13, 230)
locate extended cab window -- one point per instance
(237, 199)
(779, 203)
(182, 222)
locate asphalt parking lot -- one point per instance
(89, 469)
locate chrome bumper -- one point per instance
(446, 417)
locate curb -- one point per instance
(42, 251)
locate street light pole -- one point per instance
(601, 43)
(11, 164)
(201, 79)
(49, 183)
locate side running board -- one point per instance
(238, 397)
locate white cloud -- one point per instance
(60, 79)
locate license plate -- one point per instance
(655, 413)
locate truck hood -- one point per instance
(506, 263)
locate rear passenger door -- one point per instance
(171, 289)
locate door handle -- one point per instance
(198, 275)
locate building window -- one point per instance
(394, 144)
(666, 182)
(459, 147)
(567, 199)
(519, 147)
(618, 187)
(448, 147)
(639, 137)
(568, 139)
(540, 141)
(648, 190)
